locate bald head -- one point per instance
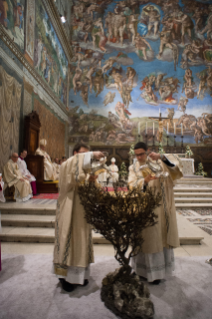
(14, 157)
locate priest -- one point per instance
(73, 249)
(14, 177)
(25, 172)
(56, 165)
(114, 171)
(156, 258)
(49, 169)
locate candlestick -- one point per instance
(181, 129)
(146, 128)
(153, 128)
(174, 129)
(167, 128)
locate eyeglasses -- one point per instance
(141, 154)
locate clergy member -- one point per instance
(13, 176)
(2, 198)
(56, 165)
(73, 249)
(49, 169)
(114, 177)
(156, 257)
(23, 168)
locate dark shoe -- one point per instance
(156, 282)
(66, 285)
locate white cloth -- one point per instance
(154, 266)
(2, 198)
(114, 175)
(24, 171)
(76, 275)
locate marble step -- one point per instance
(193, 200)
(189, 234)
(193, 189)
(193, 205)
(23, 220)
(193, 194)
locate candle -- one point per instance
(138, 128)
(167, 128)
(159, 112)
(174, 129)
(146, 128)
(181, 129)
(153, 128)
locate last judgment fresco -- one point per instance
(134, 60)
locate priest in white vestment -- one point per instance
(114, 176)
(73, 250)
(56, 165)
(156, 258)
(49, 169)
(2, 198)
(13, 176)
(25, 172)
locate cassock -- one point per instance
(26, 173)
(114, 177)
(156, 257)
(57, 168)
(49, 169)
(73, 250)
(12, 176)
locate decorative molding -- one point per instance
(59, 28)
(45, 91)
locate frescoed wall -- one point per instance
(30, 28)
(135, 59)
(49, 57)
(12, 14)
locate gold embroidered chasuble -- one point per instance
(165, 232)
(12, 176)
(73, 238)
(49, 169)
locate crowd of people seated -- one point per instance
(15, 173)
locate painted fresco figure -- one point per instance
(166, 93)
(142, 46)
(154, 19)
(192, 54)
(77, 80)
(131, 27)
(187, 25)
(166, 41)
(109, 22)
(119, 27)
(182, 104)
(4, 8)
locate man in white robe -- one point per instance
(25, 172)
(56, 165)
(156, 258)
(49, 169)
(13, 176)
(2, 198)
(73, 250)
(114, 176)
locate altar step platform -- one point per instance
(34, 221)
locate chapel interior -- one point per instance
(108, 74)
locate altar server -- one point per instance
(114, 171)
